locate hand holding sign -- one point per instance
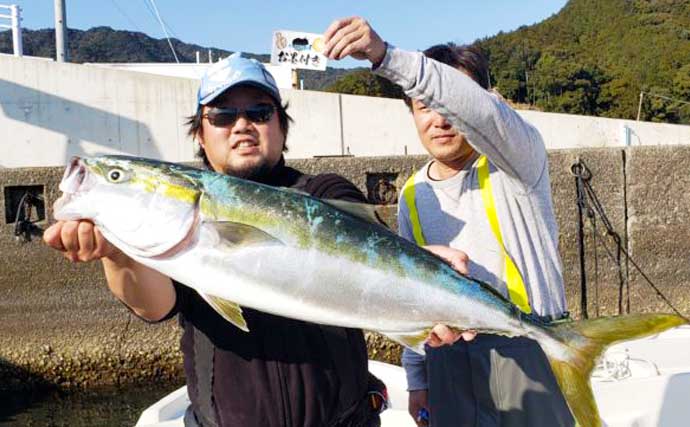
(354, 37)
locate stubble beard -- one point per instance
(252, 172)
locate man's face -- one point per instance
(440, 139)
(244, 148)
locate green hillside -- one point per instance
(103, 44)
(596, 56)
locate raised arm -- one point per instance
(492, 127)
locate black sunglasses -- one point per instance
(259, 113)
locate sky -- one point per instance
(248, 25)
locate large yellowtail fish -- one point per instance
(240, 243)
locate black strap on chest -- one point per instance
(204, 353)
(204, 350)
(337, 340)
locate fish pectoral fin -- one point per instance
(412, 340)
(230, 311)
(235, 234)
(363, 211)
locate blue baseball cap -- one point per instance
(232, 71)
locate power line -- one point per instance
(122, 12)
(666, 98)
(642, 94)
(167, 36)
(169, 28)
(153, 14)
(148, 7)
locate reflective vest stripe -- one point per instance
(514, 282)
(513, 278)
(409, 195)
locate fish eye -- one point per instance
(116, 175)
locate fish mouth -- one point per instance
(74, 182)
(74, 177)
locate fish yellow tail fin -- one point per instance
(581, 345)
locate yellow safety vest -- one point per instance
(516, 286)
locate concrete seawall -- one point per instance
(60, 325)
(57, 110)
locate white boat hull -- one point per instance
(642, 383)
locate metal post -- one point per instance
(295, 79)
(16, 30)
(639, 108)
(61, 54)
(579, 170)
(15, 25)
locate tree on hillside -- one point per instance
(364, 82)
(681, 83)
(681, 91)
(569, 87)
(658, 107)
(602, 54)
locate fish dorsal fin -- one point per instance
(363, 211)
(229, 310)
(237, 235)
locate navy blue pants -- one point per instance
(494, 381)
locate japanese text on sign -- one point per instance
(298, 50)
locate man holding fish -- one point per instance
(249, 247)
(283, 372)
(477, 143)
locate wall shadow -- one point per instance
(19, 389)
(79, 123)
(31, 401)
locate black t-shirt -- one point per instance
(284, 372)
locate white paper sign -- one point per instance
(296, 49)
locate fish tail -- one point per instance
(578, 346)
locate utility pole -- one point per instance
(17, 30)
(16, 26)
(61, 54)
(639, 108)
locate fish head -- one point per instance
(144, 207)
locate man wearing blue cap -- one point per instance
(284, 372)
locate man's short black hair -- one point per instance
(469, 58)
(194, 124)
